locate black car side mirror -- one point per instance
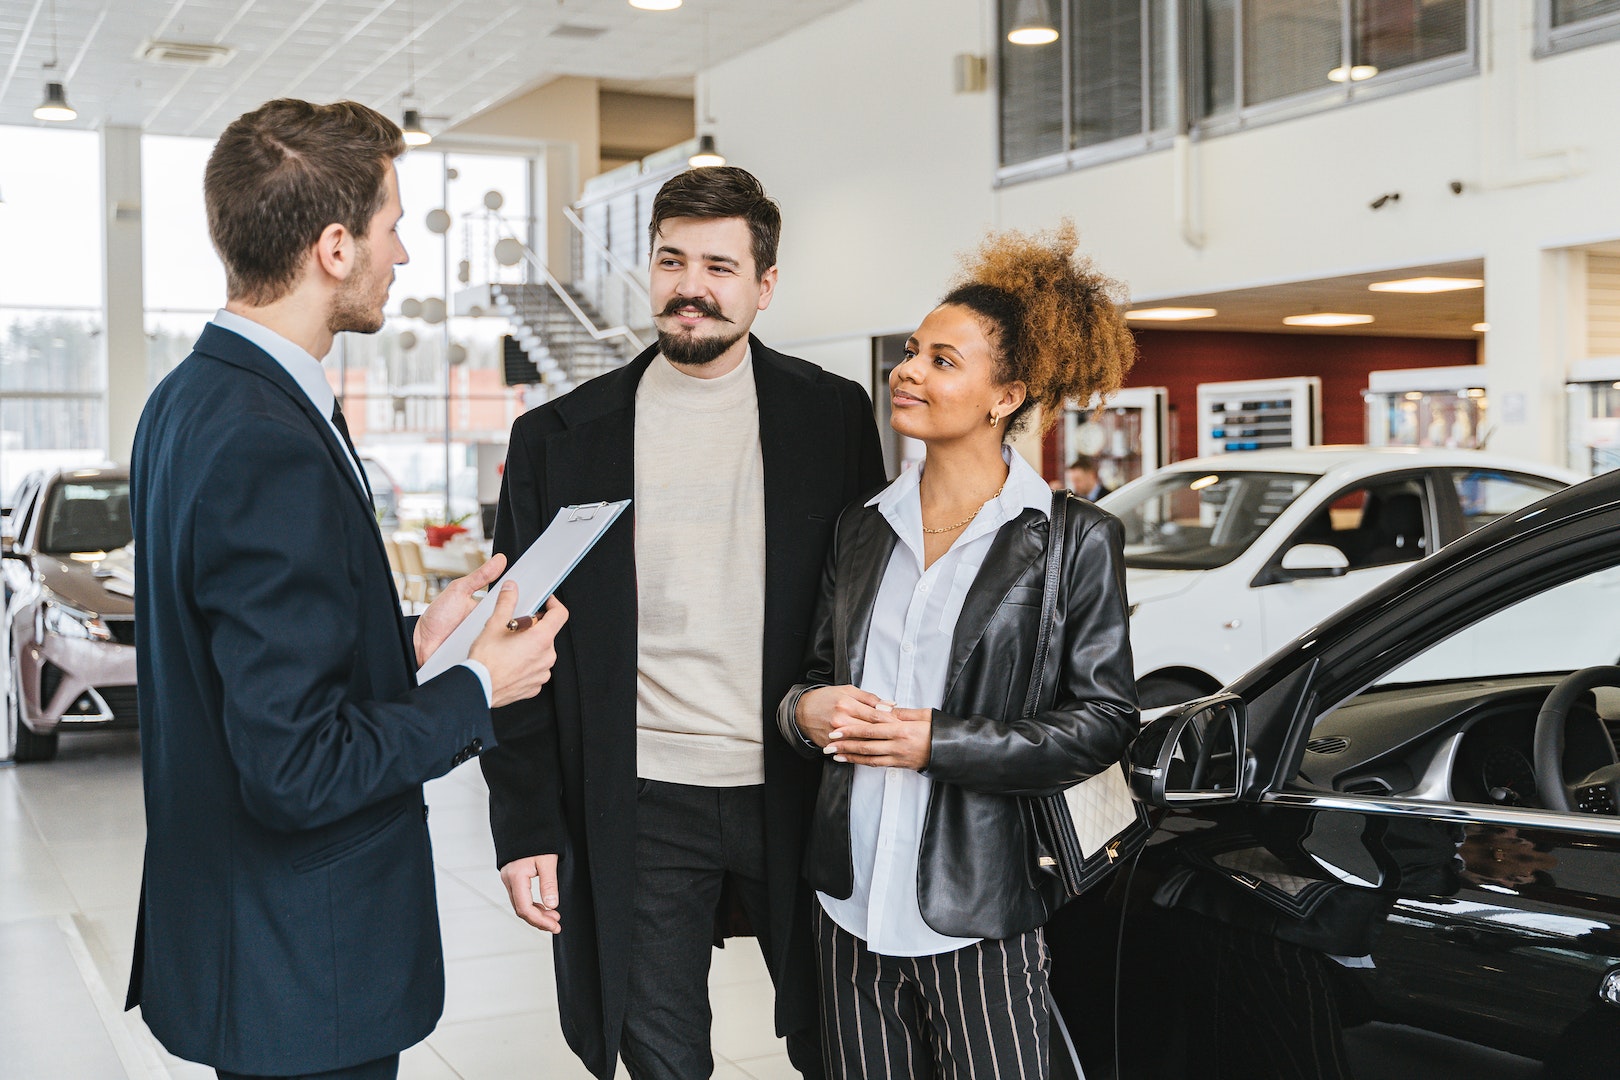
(1195, 754)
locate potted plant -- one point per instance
(438, 533)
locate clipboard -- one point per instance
(538, 572)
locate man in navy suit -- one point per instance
(287, 923)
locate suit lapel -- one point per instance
(1017, 545)
(241, 353)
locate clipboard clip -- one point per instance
(585, 511)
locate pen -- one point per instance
(523, 622)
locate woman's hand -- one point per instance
(821, 709)
(901, 738)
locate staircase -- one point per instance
(571, 331)
(565, 347)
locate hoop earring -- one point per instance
(994, 419)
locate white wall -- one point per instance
(884, 174)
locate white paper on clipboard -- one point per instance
(538, 572)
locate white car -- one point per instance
(1229, 558)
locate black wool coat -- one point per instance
(563, 779)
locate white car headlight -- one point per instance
(70, 622)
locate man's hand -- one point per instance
(519, 661)
(822, 709)
(451, 606)
(904, 742)
(527, 878)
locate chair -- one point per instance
(394, 564)
(420, 587)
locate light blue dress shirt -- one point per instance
(307, 372)
(908, 652)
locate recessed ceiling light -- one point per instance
(1170, 314)
(1480, 327)
(1328, 318)
(656, 5)
(1428, 284)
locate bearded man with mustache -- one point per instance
(645, 800)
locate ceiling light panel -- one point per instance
(1328, 318)
(1427, 285)
(1171, 314)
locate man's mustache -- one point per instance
(703, 307)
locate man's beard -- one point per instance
(688, 347)
(354, 308)
(693, 350)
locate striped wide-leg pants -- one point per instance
(981, 1011)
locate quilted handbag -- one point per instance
(1079, 834)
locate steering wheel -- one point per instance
(1599, 791)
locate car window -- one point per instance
(26, 502)
(86, 515)
(1486, 495)
(1567, 626)
(1188, 520)
(1374, 524)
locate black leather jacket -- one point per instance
(975, 873)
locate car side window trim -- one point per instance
(1270, 573)
(1461, 814)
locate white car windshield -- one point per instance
(1194, 520)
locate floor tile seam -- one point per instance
(427, 1044)
(131, 1041)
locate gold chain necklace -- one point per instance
(970, 517)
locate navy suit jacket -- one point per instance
(287, 920)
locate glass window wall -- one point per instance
(53, 366)
(1110, 85)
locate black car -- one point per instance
(1393, 848)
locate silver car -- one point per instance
(67, 628)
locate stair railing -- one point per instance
(538, 271)
(619, 292)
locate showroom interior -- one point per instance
(1372, 223)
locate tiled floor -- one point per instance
(71, 832)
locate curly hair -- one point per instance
(1056, 322)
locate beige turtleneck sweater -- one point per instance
(700, 577)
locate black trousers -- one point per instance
(381, 1069)
(690, 842)
(980, 1011)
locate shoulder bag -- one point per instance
(1080, 833)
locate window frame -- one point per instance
(1553, 40)
(1188, 63)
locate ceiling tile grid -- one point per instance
(466, 54)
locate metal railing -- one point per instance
(604, 279)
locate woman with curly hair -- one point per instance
(929, 910)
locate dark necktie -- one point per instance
(343, 430)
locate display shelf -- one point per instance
(1259, 414)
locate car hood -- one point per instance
(77, 585)
(1145, 586)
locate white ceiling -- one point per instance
(467, 54)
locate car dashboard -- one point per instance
(1466, 742)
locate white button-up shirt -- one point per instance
(908, 652)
